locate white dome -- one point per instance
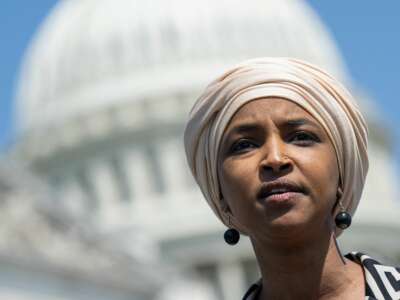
(90, 54)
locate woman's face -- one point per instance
(277, 170)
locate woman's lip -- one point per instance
(284, 184)
(283, 197)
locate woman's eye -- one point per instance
(304, 138)
(242, 145)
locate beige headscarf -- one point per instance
(292, 79)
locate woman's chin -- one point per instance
(288, 215)
(287, 225)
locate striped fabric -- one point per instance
(381, 282)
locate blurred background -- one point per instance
(96, 199)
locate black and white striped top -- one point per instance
(381, 282)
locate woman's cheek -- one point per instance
(238, 176)
(322, 179)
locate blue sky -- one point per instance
(367, 33)
(18, 21)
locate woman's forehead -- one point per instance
(258, 110)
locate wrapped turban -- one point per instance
(300, 82)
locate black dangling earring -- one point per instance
(343, 218)
(231, 235)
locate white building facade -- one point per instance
(102, 99)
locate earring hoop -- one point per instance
(231, 235)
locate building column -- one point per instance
(231, 279)
(105, 188)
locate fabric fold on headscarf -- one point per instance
(300, 82)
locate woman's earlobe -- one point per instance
(224, 205)
(339, 193)
(225, 209)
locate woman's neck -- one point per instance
(309, 271)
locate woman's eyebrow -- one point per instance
(243, 128)
(301, 121)
(247, 127)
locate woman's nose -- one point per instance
(275, 159)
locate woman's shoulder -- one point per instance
(253, 292)
(381, 281)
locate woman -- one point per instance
(279, 150)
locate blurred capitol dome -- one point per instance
(91, 55)
(103, 95)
